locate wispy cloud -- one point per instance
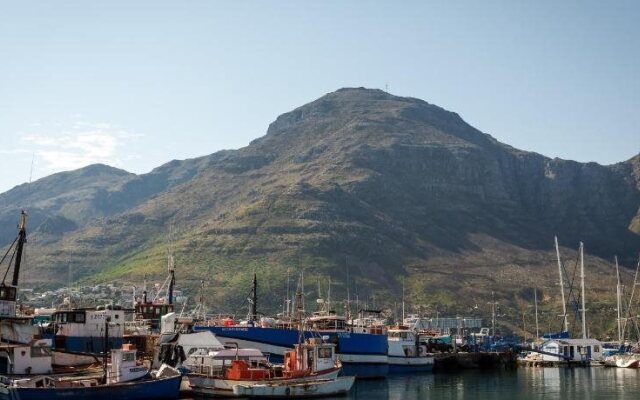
(78, 144)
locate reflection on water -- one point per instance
(525, 383)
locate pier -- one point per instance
(452, 362)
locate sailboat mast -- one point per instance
(618, 299)
(584, 321)
(564, 303)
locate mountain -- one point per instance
(359, 185)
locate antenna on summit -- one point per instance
(33, 157)
(386, 87)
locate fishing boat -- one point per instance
(319, 388)
(163, 384)
(14, 327)
(216, 374)
(363, 355)
(406, 352)
(32, 377)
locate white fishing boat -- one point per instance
(317, 388)
(406, 352)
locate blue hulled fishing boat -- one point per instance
(363, 355)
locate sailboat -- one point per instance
(559, 349)
(623, 359)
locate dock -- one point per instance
(452, 362)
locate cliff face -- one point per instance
(389, 186)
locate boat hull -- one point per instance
(362, 355)
(404, 365)
(303, 389)
(210, 386)
(157, 389)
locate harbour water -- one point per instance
(523, 383)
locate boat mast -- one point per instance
(288, 299)
(618, 299)
(172, 277)
(402, 300)
(106, 348)
(584, 321)
(348, 292)
(535, 300)
(564, 303)
(254, 299)
(22, 239)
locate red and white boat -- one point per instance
(217, 373)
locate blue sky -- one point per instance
(136, 84)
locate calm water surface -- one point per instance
(524, 383)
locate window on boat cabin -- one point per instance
(40, 351)
(79, 317)
(324, 352)
(128, 356)
(157, 311)
(7, 293)
(596, 349)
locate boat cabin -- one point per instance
(8, 296)
(572, 350)
(401, 334)
(124, 365)
(369, 321)
(327, 323)
(312, 356)
(152, 312)
(83, 330)
(404, 342)
(26, 359)
(214, 363)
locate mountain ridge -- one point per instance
(389, 186)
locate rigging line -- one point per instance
(7, 271)
(570, 294)
(576, 300)
(8, 250)
(633, 289)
